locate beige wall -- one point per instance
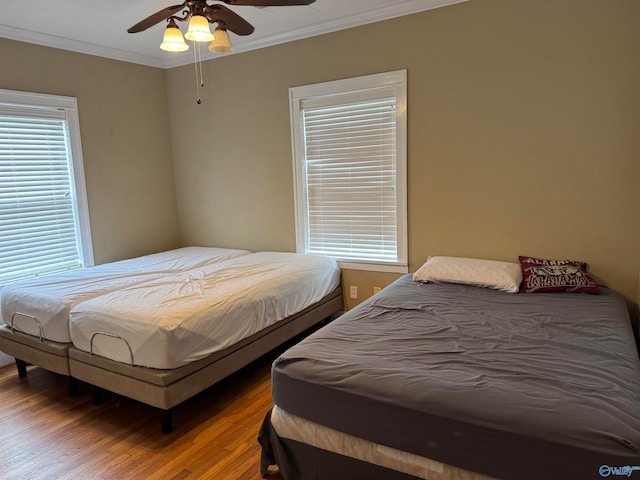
(125, 139)
(523, 134)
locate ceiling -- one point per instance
(99, 27)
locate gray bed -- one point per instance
(493, 384)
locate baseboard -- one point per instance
(5, 359)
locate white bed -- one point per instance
(162, 328)
(40, 306)
(34, 326)
(176, 319)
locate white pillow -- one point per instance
(503, 276)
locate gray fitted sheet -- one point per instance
(510, 385)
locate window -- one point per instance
(44, 221)
(349, 149)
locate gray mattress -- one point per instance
(510, 385)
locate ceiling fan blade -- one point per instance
(268, 3)
(230, 20)
(155, 18)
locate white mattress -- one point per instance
(305, 431)
(181, 318)
(49, 299)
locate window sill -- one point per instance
(374, 267)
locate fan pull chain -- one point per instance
(197, 61)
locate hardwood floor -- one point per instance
(45, 434)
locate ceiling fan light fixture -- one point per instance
(221, 42)
(173, 40)
(199, 29)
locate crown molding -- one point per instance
(171, 60)
(374, 15)
(53, 41)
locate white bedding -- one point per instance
(177, 319)
(49, 299)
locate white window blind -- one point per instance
(349, 162)
(350, 167)
(39, 226)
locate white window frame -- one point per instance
(70, 107)
(397, 80)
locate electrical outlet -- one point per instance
(376, 290)
(353, 291)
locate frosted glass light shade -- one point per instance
(221, 42)
(199, 30)
(172, 40)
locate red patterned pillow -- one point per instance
(545, 276)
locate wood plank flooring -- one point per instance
(45, 434)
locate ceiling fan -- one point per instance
(200, 14)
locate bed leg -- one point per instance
(166, 422)
(21, 365)
(72, 387)
(96, 395)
